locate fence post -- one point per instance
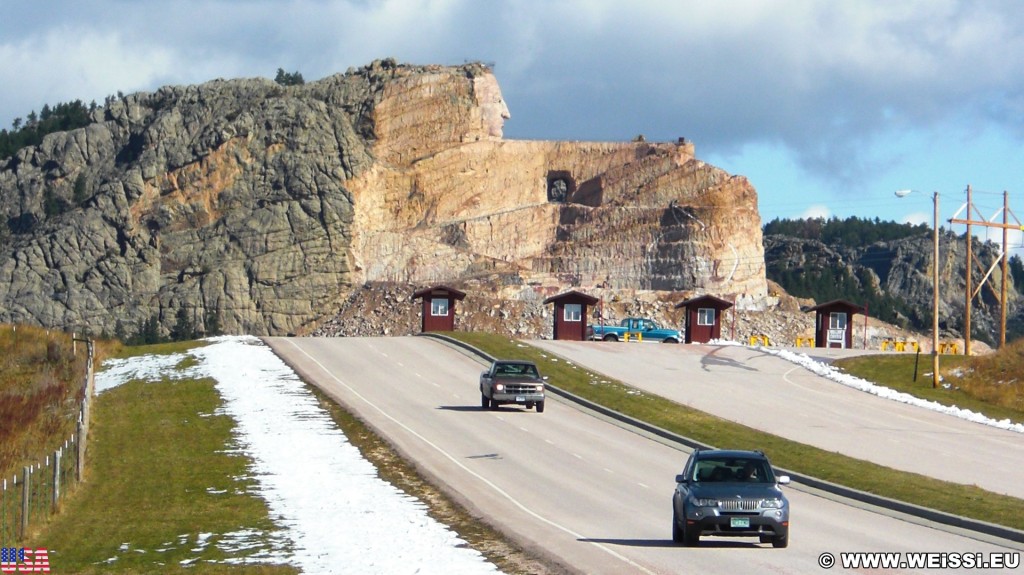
(24, 502)
(81, 451)
(56, 479)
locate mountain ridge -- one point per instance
(260, 208)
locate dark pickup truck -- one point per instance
(512, 381)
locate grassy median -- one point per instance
(967, 501)
(164, 492)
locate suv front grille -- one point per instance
(740, 504)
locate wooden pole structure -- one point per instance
(935, 295)
(1002, 291)
(967, 276)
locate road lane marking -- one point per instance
(515, 502)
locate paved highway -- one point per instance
(566, 483)
(766, 392)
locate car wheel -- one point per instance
(540, 407)
(677, 531)
(691, 537)
(610, 337)
(669, 340)
(494, 405)
(780, 542)
(484, 402)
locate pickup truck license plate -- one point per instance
(739, 522)
(520, 399)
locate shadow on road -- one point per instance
(713, 359)
(668, 543)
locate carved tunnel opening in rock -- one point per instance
(561, 186)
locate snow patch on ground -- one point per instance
(827, 371)
(337, 515)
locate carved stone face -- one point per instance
(492, 106)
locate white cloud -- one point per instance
(917, 218)
(816, 211)
(839, 85)
(77, 64)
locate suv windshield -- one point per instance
(733, 469)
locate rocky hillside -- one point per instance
(901, 272)
(266, 208)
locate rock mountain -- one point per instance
(269, 207)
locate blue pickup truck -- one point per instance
(634, 328)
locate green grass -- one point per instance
(963, 391)
(968, 501)
(159, 474)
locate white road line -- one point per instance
(459, 463)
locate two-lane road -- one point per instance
(565, 483)
(766, 392)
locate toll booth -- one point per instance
(438, 307)
(570, 315)
(833, 323)
(703, 318)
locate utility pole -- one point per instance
(969, 292)
(968, 296)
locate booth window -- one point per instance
(573, 312)
(837, 320)
(705, 316)
(439, 306)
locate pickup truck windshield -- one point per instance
(515, 370)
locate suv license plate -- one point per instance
(520, 399)
(739, 522)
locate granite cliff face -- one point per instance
(266, 206)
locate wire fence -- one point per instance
(35, 493)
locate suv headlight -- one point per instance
(771, 503)
(499, 387)
(704, 502)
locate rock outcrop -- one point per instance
(903, 269)
(265, 207)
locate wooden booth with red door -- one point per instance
(571, 314)
(833, 323)
(438, 307)
(703, 318)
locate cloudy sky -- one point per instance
(827, 107)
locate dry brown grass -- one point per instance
(997, 378)
(41, 390)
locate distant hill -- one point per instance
(886, 266)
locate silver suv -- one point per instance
(730, 493)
